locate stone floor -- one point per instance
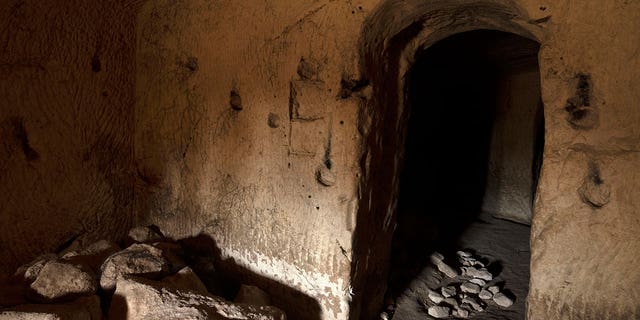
(506, 247)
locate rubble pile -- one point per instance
(149, 279)
(467, 288)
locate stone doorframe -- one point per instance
(391, 36)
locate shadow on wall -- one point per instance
(226, 281)
(223, 277)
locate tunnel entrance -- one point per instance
(471, 162)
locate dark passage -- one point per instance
(456, 90)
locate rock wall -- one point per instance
(586, 208)
(66, 124)
(246, 132)
(276, 128)
(517, 135)
(586, 221)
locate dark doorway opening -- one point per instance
(472, 155)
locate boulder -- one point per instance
(137, 298)
(30, 271)
(185, 280)
(61, 281)
(144, 234)
(93, 255)
(85, 308)
(138, 259)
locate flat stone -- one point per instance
(446, 269)
(448, 291)
(477, 281)
(470, 287)
(451, 301)
(439, 312)
(485, 294)
(502, 300)
(252, 295)
(138, 259)
(60, 281)
(140, 298)
(461, 313)
(435, 297)
(86, 308)
(483, 274)
(494, 289)
(477, 306)
(436, 257)
(464, 254)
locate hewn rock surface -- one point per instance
(142, 299)
(87, 308)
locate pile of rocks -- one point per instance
(149, 279)
(464, 292)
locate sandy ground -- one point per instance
(504, 244)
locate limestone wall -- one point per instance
(243, 133)
(276, 128)
(66, 124)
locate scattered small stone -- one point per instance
(494, 289)
(446, 269)
(448, 291)
(502, 300)
(470, 287)
(482, 273)
(485, 294)
(435, 297)
(473, 303)
(461, 313)
(439, 312)
(477, 281)
(464, 254)
(436, 257)
(451, 301)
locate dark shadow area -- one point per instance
(453, 90)
(223, 277)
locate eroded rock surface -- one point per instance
(59, 281)
(138, 299)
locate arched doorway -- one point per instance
(392, 39)
(471, 156)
